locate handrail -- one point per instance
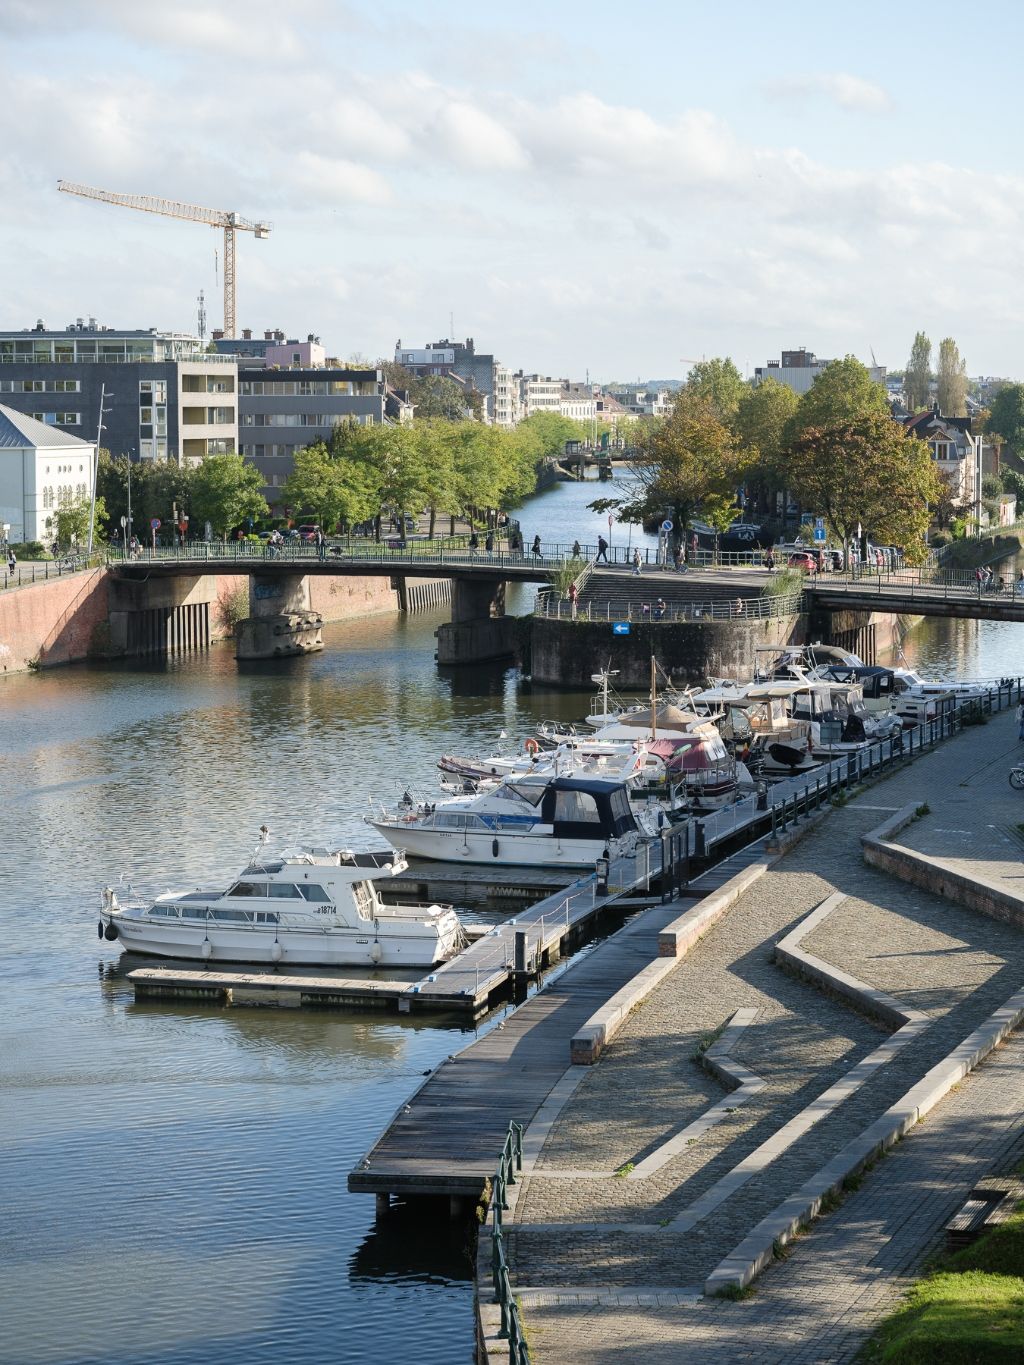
(42, 570)
(510, 1162)
(620, 609)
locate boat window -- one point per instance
(576, 807)
(193, 912)
(510, 791)
(248, 889)
(619, 803)
(170, 910)
(267, 917)
(314, 893)
(235, 916)
(284, 891)
(362, 894)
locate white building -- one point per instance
(505, 401)
(539, 393)
(647, 402)
(799, 369)
(41, 468)
(578, 401)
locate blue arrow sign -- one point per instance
(620, 628)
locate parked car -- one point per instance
(306, 532)
(803, 559)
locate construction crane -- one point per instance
(194, 213)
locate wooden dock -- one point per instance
(265, 988)
(444, 1140)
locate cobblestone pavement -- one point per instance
(953, 964)
(818, 1305)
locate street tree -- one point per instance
(761, 420)
(843, 392)
(70, 521)
(720, 382)
(436, 395)
(866, 473)
(952, 380)
(918, 377)
(333, 490)
(686, 459)
(1006, 416)
(226, 492)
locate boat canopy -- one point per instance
(587, 808)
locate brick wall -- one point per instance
(53, 622)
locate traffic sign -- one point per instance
(620, 628)
(610, 520)
(819, 529)
(124, 522)
(666, 525)
(155, 524)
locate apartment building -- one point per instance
(539, 393)
(646, 402)
(578, 401)
(800, 368)
(163, 396)
(461, 361)
(506, 405)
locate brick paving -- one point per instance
(953, 964)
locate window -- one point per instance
(284, 891)
(146, 416)
(248, 889)
(146, 387)
(235, 916)
(576, 808)
(267, 917)
(69, 419)
(314, 893)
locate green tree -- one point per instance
(1006, 416)
(918, 377)
(952, 380)
(720, 382)
(543, 435)
(843, 392)
(70, 522)
(330, 489)
(762, 418)
(866, 472)
(436, 395)
(226, 491)
(683, 461)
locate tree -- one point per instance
(226, 491)
(843, 392)
(918, 378)
(720, 382)
(682, 461)
(866, 473)
(761, 420)
(437, 395)
(70, 522)
(952, 380)
(1006, 417)
(332, 490)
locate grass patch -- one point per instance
(922, 809)
(734, 1292)
(624, 1170)
(969, 1311)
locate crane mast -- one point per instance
(193, 213)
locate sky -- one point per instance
(583, 188)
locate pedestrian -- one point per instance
(769, 560)
(1019, 585)
(694, 546)
(602, 549)
(573, 597)
(12, 561)
(576, 551)
(679, 558)
(737, 607)
(535, 549)
(636, 563)
(474, 544)
(321, 543)
(660, 608)
(1020, 719)
(489, 543)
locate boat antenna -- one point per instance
(654, 698)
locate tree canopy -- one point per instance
(226, 492)
(952, 380)
(720, 383)
(867, 473)
(918, 377)
(1006, 416)
(843, 392)
(761, 421)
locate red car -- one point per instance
(307, 532)
(803, 559)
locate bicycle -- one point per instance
(1017, 779)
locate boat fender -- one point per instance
(376, 951)
(99, 928)
(494, 848)
(110, 932)
(532, 747)
(206, 949)
(277, 952)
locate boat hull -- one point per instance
(297, 947)
(513, 850)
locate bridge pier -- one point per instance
(161, 616)
(281, 622)
(479, 629)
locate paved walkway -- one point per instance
(954, 965)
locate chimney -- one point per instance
(247, 334)
(268, 335)
(92, 324)
(279, 337)
(309, 338)
(217, 334)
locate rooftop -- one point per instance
(18, 431)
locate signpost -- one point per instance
(663, 535)
(620, 628)
(819, 530)
(154, 526)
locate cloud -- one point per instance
(846, 91)
(337, 179)
(473, 139)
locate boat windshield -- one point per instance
(512, 791)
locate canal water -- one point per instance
(173, 1176)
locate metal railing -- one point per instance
(552, 607)
(510, 1163)
(442, 555)
(40, 570)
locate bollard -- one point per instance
(520, 952)
(602, 868)
(699, 845)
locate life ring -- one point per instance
(532, 747)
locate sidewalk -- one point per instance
(582, 1233)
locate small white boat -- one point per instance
(311, 907)
(529, 820)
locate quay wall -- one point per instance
(85, 615)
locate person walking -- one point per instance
(1018, 587)
(1020, 720)
(602, 549)
(576, 551)
(474, 544)
(679, 558)
(321, 543)
(489, 543)
(535, 548)
(573, 596)
(12, 562)
(636, 563)
(660, 608)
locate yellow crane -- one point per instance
(194, 213)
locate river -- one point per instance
(173, 1176)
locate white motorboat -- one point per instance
(529, 820)
(310, 907)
